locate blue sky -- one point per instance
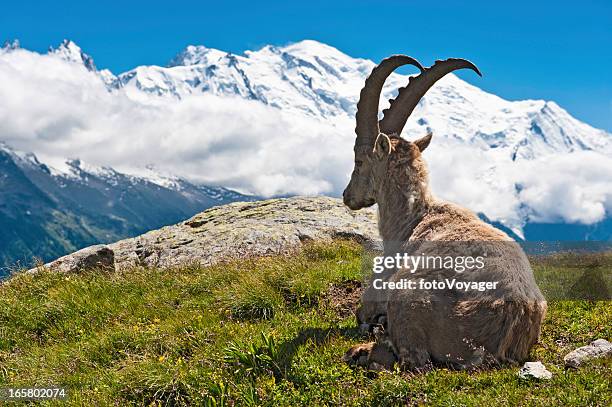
(555, 50)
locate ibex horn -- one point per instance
(367, 107)
(395, 117)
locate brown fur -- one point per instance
(449, 327)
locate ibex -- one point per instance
(451, 327)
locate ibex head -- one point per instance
(378, 140)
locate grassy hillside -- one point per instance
(268, 331)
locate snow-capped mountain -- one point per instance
(519, 163)
(46, 212)
(71, 52)
(312, 79)
(315, 80)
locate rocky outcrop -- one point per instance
(246, 229)
(600, 348)
(98, 257)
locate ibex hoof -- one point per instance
(358, 354)
(371, 355)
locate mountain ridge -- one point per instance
(45, 213)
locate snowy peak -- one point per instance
(326, 57)
(10, 45)
(20, 157)
(77, 169)
(196, 55)
(71, 52)
(309, 48)
(296, 77)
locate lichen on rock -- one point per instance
(98, 257)
(246, 229)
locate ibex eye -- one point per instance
(358, 163)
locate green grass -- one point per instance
(264, 331)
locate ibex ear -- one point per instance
(382, 146)
(423, 142)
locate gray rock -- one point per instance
(246, 229)
(597, 349)
(99, 256)
(237, 230)
(534, 370)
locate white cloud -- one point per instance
(576, 188)
(58, 110)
